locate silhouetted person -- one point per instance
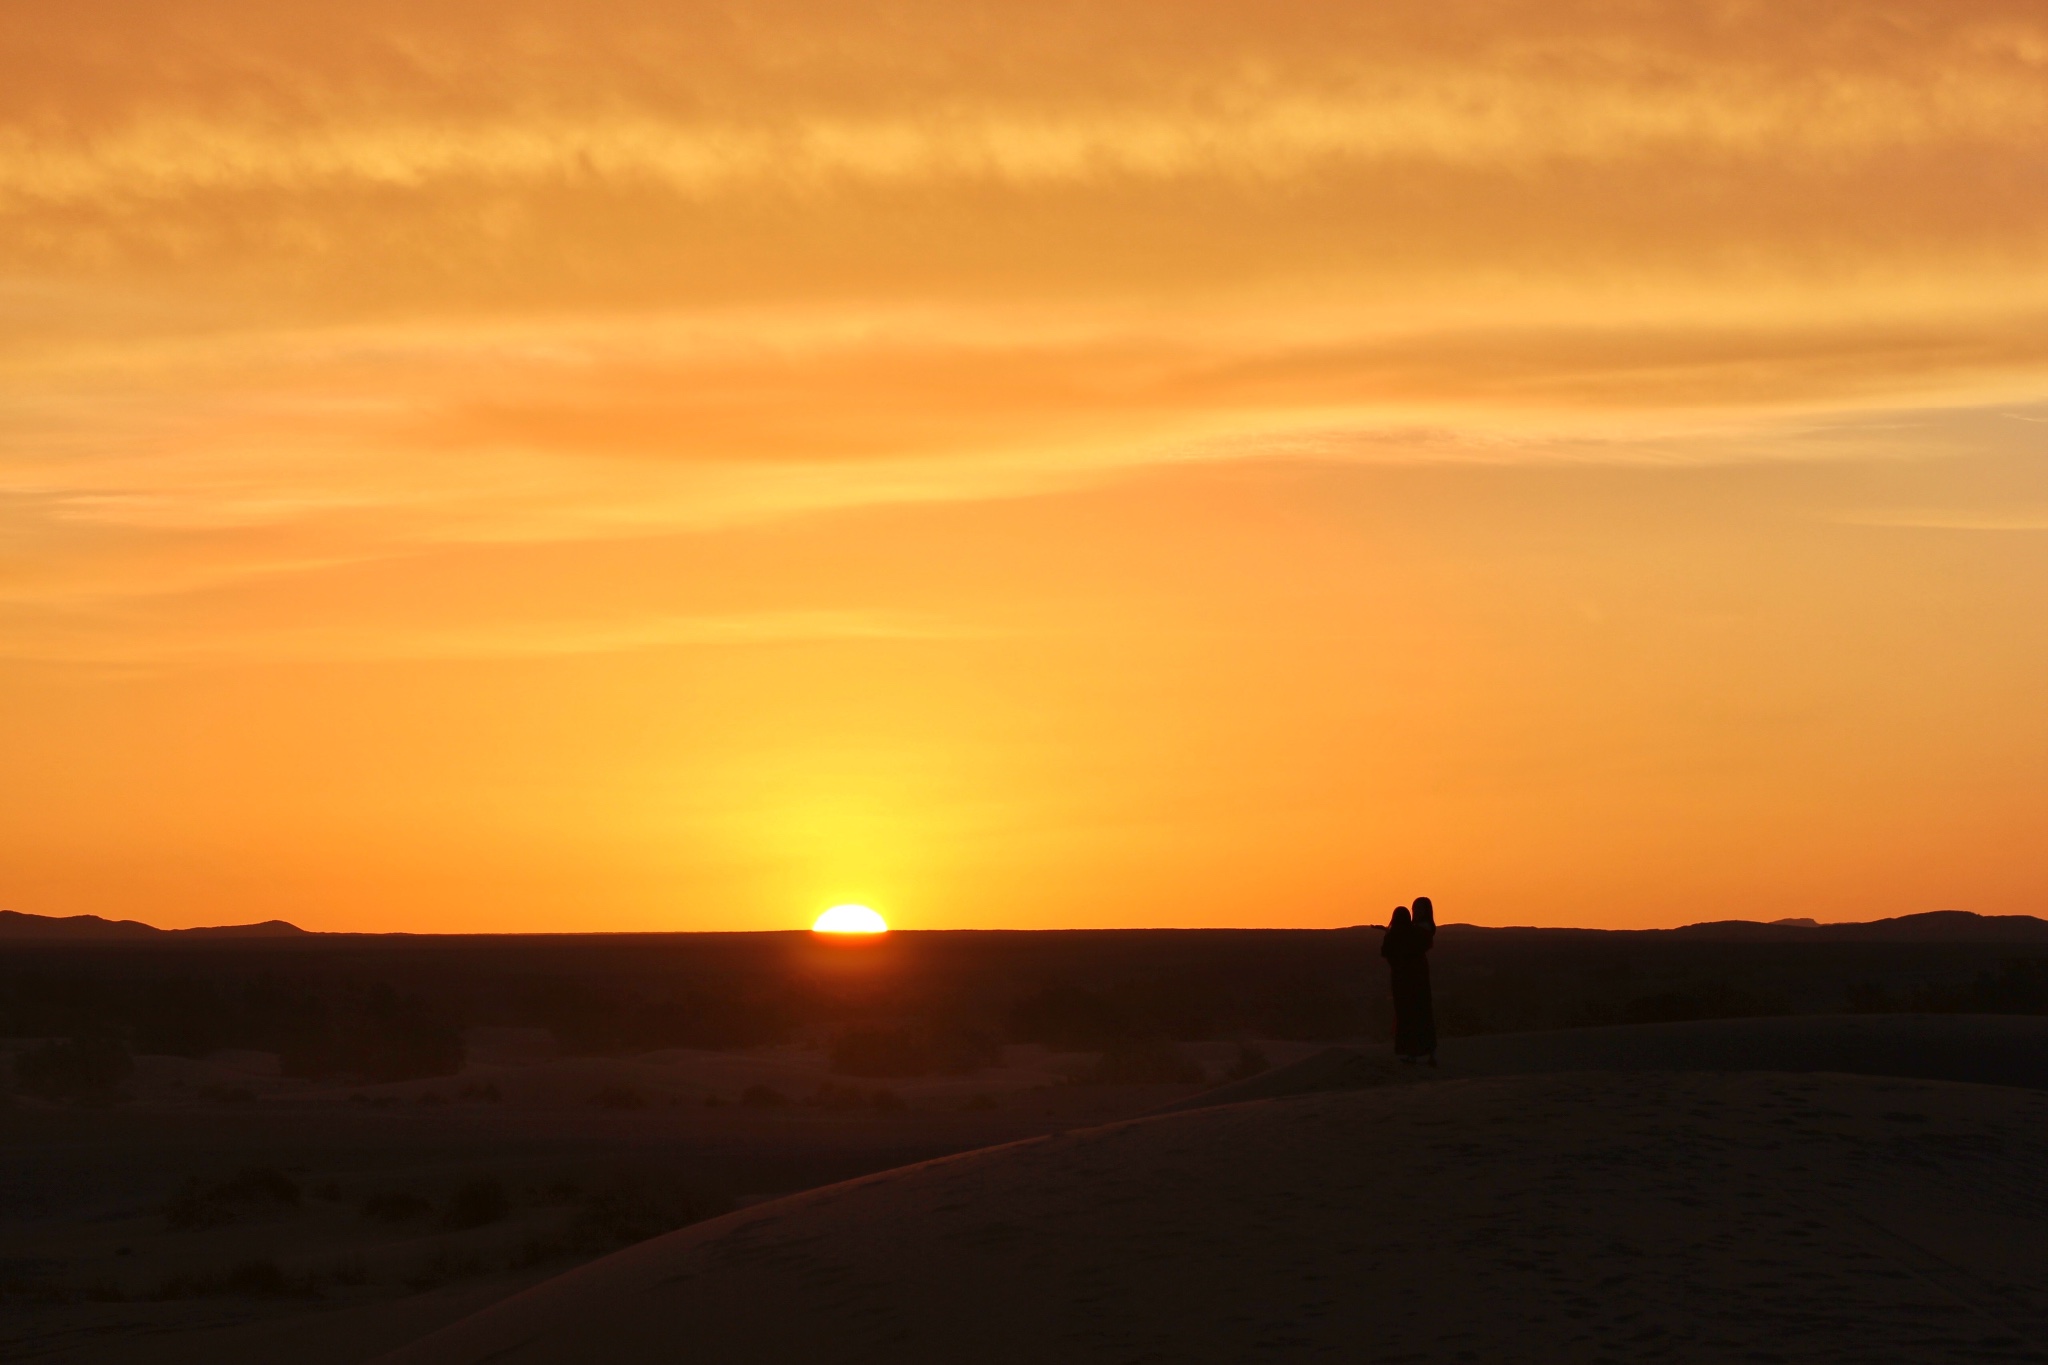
(1425, 1006)
(1405, 947)
(1425, 922)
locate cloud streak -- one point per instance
(152, 646)
(1258, 135)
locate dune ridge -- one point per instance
(1643, 1215)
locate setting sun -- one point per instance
(849, 919)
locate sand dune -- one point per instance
(129, 1230)
(1338, 1203)
(1582, 1216)
(1987, 1048)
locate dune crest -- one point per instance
(1645, 1215)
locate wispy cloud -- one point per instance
(287, 292)
(789, 94)
(1252, 131)
(147, 645)
(1943, 519)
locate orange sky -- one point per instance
(629, 466)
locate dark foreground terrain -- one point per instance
(316, 1223)
(394, 1007)
(272, 1145)
(1586, 1216)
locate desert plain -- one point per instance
(1014, 1148)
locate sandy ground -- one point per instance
(222, 1213)
(1612, 1216)
(1545, 1196)
(1989, 1048)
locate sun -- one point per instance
(849, 919)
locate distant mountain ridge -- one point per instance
(16, 925)
(1950, 926)
(1933, 926)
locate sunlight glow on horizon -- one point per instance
(849, 919)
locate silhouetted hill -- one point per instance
(1936, 926)
(270, 928)
(14, 924)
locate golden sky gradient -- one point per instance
(629, 466)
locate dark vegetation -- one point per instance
(1507, 980)
(380, 1008)
(914, 1050)
(110, 1000)
(209, 1203)
(481, 1201)
(545, 1219)
(73, 1068)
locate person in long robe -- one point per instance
(1422, 1006)
(1405, 946)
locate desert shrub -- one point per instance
(630, 1207)
(349, 1272)
(911, 1051)
(1711, 1000)
(377, 1034)
(1301, 1004)
(2020, 986)
(441, 1267)
(72, 1069)
(830, 1096)
(203, 1203)
(250, 1279)
(481, 1201)
(611, 1012)
(258, 1279)
(763, 1097)
(883, 1052)
(263, 1183)
(393, 1206)
(1071, 1018)
(1143, 1064)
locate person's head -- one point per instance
(1425, 913)
(1400, 919)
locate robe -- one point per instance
(1406, 948)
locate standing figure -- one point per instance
(1405, 947)
(1425, 1006)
